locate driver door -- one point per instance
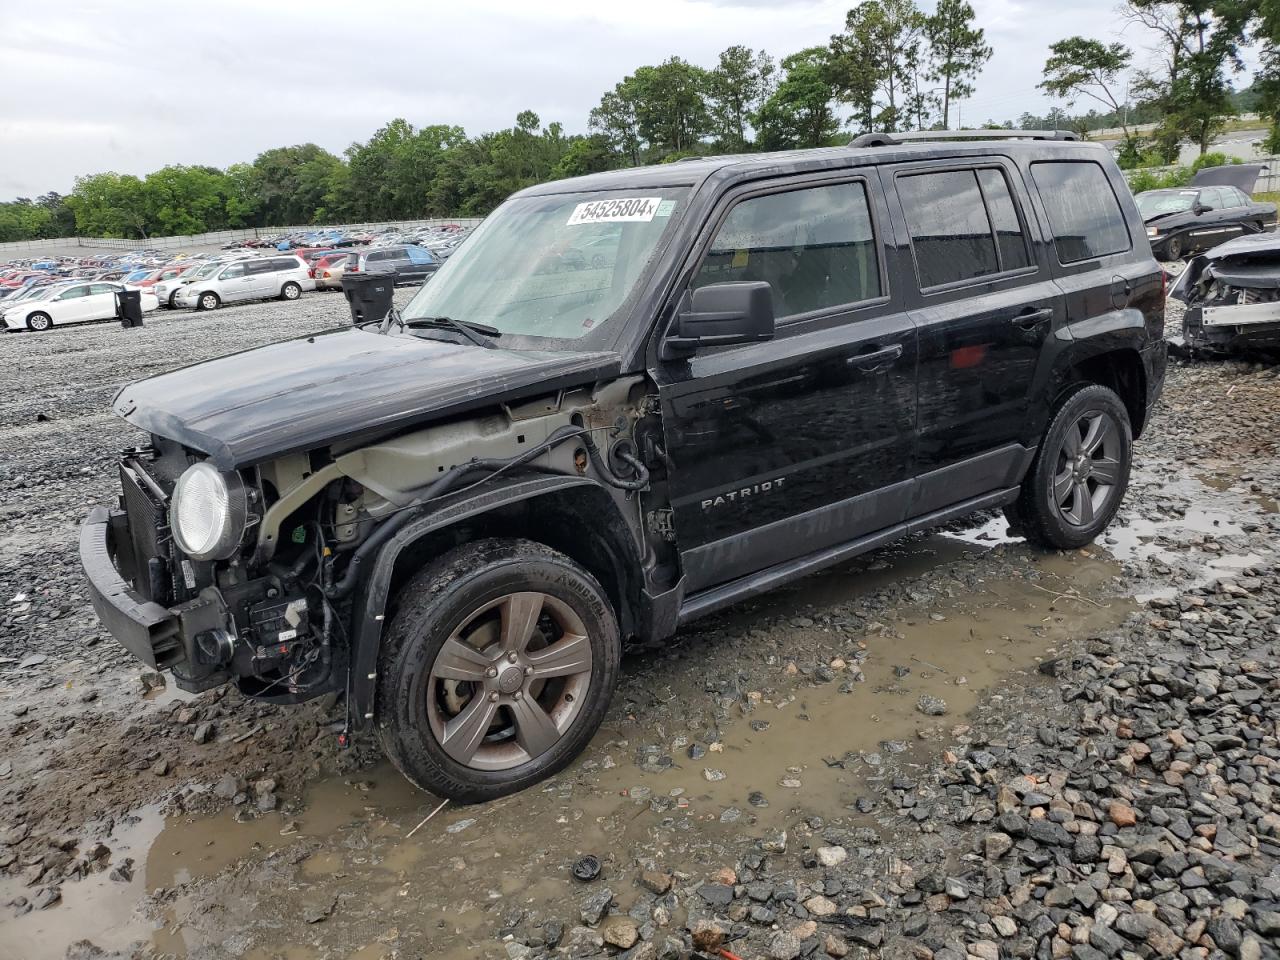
(795, 445)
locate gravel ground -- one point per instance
(956, 748)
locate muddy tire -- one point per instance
(1080, 474)
(1173, 248)
(496, 671)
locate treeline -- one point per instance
(892, 66)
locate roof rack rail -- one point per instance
(915, 136)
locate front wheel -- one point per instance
(496, 670)
(1173, 248)
(1080, 473)
(208, 301)
(39, 322)
(290, 291)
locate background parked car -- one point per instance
(408, 262)
(260, 278)
(329, 269)
(72, 303)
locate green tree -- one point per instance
(1078, 66)
(109, 205)
(801, 111)
(585, 155)
(957, 51)
(24, 220)
(615, 119)
(290, 183)
(671, 107)
(893, 31)
(736, 89)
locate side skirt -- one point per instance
(717, 598)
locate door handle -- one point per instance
(877, 359)
(1030, 319)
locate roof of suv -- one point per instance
(694, 170)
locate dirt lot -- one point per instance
(955, 748)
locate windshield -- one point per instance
(534, 267)
(1156, 202)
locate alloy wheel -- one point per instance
(1088, 468)
(509, 681)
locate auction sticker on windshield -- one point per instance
(633, 209)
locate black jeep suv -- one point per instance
(455, 517)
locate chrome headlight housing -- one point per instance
(208, 512)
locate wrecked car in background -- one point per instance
(1215, 207)
(1232, 295)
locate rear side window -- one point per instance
(1010, 243)
(1084, 213)
(286, 264)
(963, 225)
(814, 247)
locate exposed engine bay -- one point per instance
(266, 597)
(1232, 294)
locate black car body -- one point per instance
(1216, 207)
(790, 359)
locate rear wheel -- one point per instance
(290, 291)
(496, 671)
(1080, 474)
(39, 322)
(209, 301)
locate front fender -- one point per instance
(369, 611)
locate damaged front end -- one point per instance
(1232, 294)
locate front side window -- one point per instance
(233, 271)
(74, 293)
(815, 247)
(1084, 213)
(525, 270)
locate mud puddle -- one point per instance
(339, 875)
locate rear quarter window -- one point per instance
(1084, 213)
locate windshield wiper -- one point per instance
(472, 331)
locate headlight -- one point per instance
(208, 513)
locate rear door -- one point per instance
(264, 277)
(984, 303)
(101, 303)
(792, 446)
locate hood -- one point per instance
(1242, 176)
(344, 384)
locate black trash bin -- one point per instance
(129, 308)
(369, 294)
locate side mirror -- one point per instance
(720, 314)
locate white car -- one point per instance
(70, 303)
(284, 276)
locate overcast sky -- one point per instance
(87, 87)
